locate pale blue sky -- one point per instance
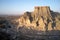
(18, 6)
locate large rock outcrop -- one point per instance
(42, 18)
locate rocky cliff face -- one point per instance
(42, 18)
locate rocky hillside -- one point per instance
(41, 24)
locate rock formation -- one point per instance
(40, 19)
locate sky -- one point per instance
(20, 6)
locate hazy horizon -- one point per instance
(20, 6)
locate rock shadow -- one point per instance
(53, 14)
